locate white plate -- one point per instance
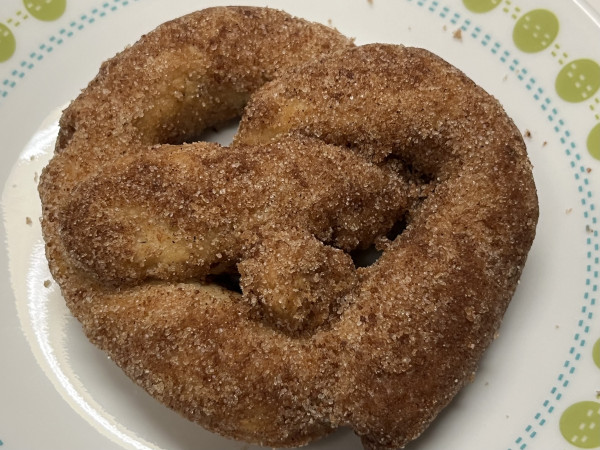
(538, 384)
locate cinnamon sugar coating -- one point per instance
(330, 153)
(181, 213)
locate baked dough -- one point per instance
(372, 137)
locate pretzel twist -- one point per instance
(342, 145)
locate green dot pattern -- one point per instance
(580, 424)
(593, 146)
(578, 80)
(535, 31)
(481, 6)
(45, 10)
(7, 43)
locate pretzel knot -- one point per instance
(221, 278)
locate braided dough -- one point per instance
(343, 144)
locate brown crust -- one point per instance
(430, 305)
(180, 213)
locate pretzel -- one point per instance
(346, 147)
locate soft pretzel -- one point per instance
(340, 148)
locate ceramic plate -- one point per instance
(538, 386)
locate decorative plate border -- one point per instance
(574, 414)
(55, 40)
(545, 101)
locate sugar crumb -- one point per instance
(47, 283)
(457, 35)
(28, 220)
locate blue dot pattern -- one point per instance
(55, 40)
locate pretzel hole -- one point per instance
(221, 133)
(227, 280)
(369, 256)
(365, 257)
(397, 229)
